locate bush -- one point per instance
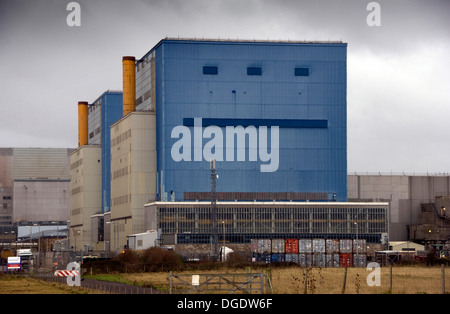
(237, 260)
(157, 259)
(128, 257)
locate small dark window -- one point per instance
(210, 70)
(301, 71)
(254, 71)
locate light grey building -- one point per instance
(404, 193)
(34, 189)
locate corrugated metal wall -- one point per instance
(111, 112)
(41, 163)
(310, 159)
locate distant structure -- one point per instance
(34, 190)
(418, 204)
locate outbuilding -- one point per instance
(142, 241)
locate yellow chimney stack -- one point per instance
(129, 85)
(82, 123)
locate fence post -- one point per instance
(170, 282)
(390, 278)
(345, 280)
(269, 281)
(305, 289)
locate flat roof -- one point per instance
(273, 203)
(240, 41)
(237, 40)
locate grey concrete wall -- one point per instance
(404, 193)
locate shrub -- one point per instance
(129, 257)
(157, 259)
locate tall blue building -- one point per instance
(272, 115)
(103, 112)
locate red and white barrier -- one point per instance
(66, 273)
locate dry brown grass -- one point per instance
(25, 285)
(290, 280)
(287, 280)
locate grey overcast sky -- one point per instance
(398, 83)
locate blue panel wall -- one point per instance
(112, 111)
(311, 159)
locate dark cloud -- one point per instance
(397, 80)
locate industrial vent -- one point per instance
(210, 70)
(254, 71)
(301, 71)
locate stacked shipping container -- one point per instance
(311, 252)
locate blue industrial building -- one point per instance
(103, 112)
(272, 114)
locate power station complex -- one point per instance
(270, 117)
(219, 141)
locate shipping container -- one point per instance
(291, 258)
(359, 260)
(346, 246)
(254, 245)
(359, 246)
(346, 260)
(332, 260)
(319, 259)
(260, 249)
(291, 246)
(305, 246)
(305, 259)
(277, 258)
(262, 258)
(278, 246)
(332, 246)
(318, 245)
(267, 244)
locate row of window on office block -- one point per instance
(330, 246)
(314, 259)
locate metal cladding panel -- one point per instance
(41, 163)
(41, 201)
(309, 159)
(112, 111)
(95, 122)
(6, 167)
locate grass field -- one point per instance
(24, 285)
(291, 280)
(287, 280)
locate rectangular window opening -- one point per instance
(301, 71)
(210, 70)
(254, 71)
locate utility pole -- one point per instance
(214, 230)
